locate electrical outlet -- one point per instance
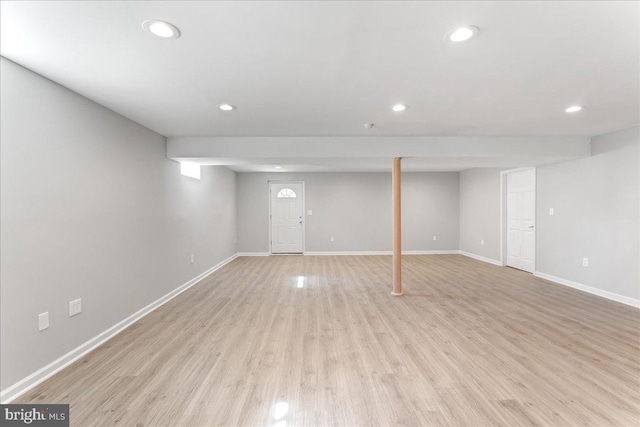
(435, 237)
(193, 258)
(309, 212)
(482, 242)
(332, 239)
(75, 307)
(552, 211)
(585, 262)
(43, 321)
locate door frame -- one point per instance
(304, 216)
(503, 214)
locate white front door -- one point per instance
(521, 220)
(286, 217)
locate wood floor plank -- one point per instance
(469, 344)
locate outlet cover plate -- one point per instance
(43, 321)
(75, 307)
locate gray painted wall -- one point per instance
(596, 216)
(480, 212)
(91, 208)
(355, 208)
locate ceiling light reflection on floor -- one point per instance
(280, 411)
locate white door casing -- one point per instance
(521, 219)
(286, 217)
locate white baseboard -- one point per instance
(323, 253)
(480, 258)
(445, 252)
(253, 254)
(381, 253)
(589, 289)
(26, 384)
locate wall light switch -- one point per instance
(551, 211)
(309, 212)
(585, 262)
(43, 321)
(435, 237)
(482, 242)
(332, 238)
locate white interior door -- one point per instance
(521, 220)
(286, 217)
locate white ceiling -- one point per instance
(326, 68)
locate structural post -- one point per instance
(397, 227)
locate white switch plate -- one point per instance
(482, 242)
(75, 307)
(435, 237)
(309, 212)
(551, 211)
(193, 257)
(332, 238)
(43, 321)
(585, 262)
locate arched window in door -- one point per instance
(286, 193)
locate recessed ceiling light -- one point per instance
(161, 29)
(573, 109)
(461, 34)
(226, 107)
(278, 167)
(399, 107)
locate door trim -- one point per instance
(503, 214)
(304, 212)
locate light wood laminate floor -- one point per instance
(470, 344)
